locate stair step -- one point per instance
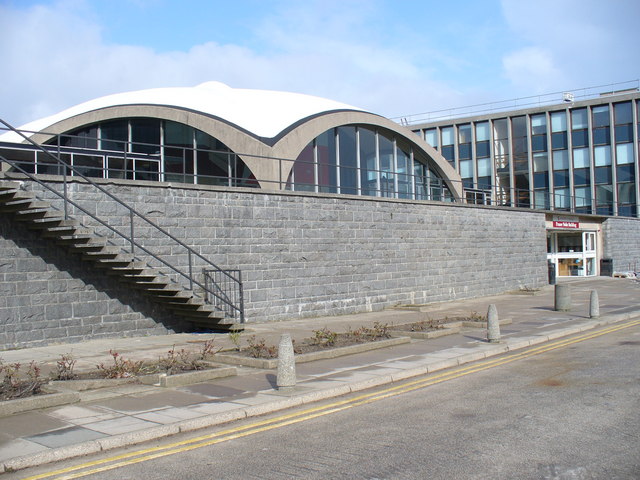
(108, 262)
(127, 269)
(15, 194)
(223, 325)
(106, 252)
(51, 221)
(27, 205)
(9, 185)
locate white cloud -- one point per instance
(532, 68)
(57, 58)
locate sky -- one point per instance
(392, 57)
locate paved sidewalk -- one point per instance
(126, 415)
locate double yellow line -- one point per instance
(147, 454)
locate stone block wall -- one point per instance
(622, 243)
(49, 296)
(305, 255)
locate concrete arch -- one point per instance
(292, 143)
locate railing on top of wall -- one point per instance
(214, 294)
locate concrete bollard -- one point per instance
(286, 379)
(493, 325)
(594, 305)
(562, 298)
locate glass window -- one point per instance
(540, 180)
(484, 167)
(466, 169)
(602, 155)
(561, 178)
(560, 160)
(348, 160)
(559, 141)
(431, 137)
(580, 138)
(368, 172)
(482, 149)
(583, 196)
(579, 119)
(326, 153)
(115, 135)
(539, 124)
(603, 175)
(303, 170)
(626, 193)
(447, 136)
(600, 116)
(482, 131)
(519, 127)
(540, 162)
(500, 130)
(622, 113)
(387, 169)
(601, 136)
(581, 158)
(403, 162)
(581, 176)
(464, 133)
(562, 198)
(624, 133)
(624, 153)
(625, 173)
(604, 194)
(145, 135)
(558, 122)
(539, 143)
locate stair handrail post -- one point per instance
(133, 243)
(190, 270)
(241, 295)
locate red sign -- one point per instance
(565, 224)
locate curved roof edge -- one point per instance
(263, 113)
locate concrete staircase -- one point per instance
(123, 267)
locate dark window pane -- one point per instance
(603, 175)
(348, 171)
(145, 135)
(561, 178)
(115, 135)
(82, 138)
(581, 176)
(482, 149)
(626, 193)
(448, 152)
(559, 140)
(600, 116)
(519, 127)
(484, 182)
(622, 113)
(464, 151)
(580, 138)
(539, 143)
(88, 165)
(540, 180)
(625, 173)
(602, 136)
(624, 133)
(326, 146)
(627, 210)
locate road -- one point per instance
(570, 413)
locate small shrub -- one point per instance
(64, 367)
(207, 349)
(260, 349)
(13, 386)
(121, 368)
(476, 317)
(234, 336)
(324, 337)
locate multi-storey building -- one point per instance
(575, 156)
(577, 159)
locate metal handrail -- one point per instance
(132, 213)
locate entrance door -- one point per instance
(573, 253)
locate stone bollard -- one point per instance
(562, 298)
(286, 379)
(594, 305)
(493, 325)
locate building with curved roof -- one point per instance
(215, 134)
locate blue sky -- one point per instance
(394, 58)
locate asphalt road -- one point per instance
(571, 413)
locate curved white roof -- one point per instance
(264, 113)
